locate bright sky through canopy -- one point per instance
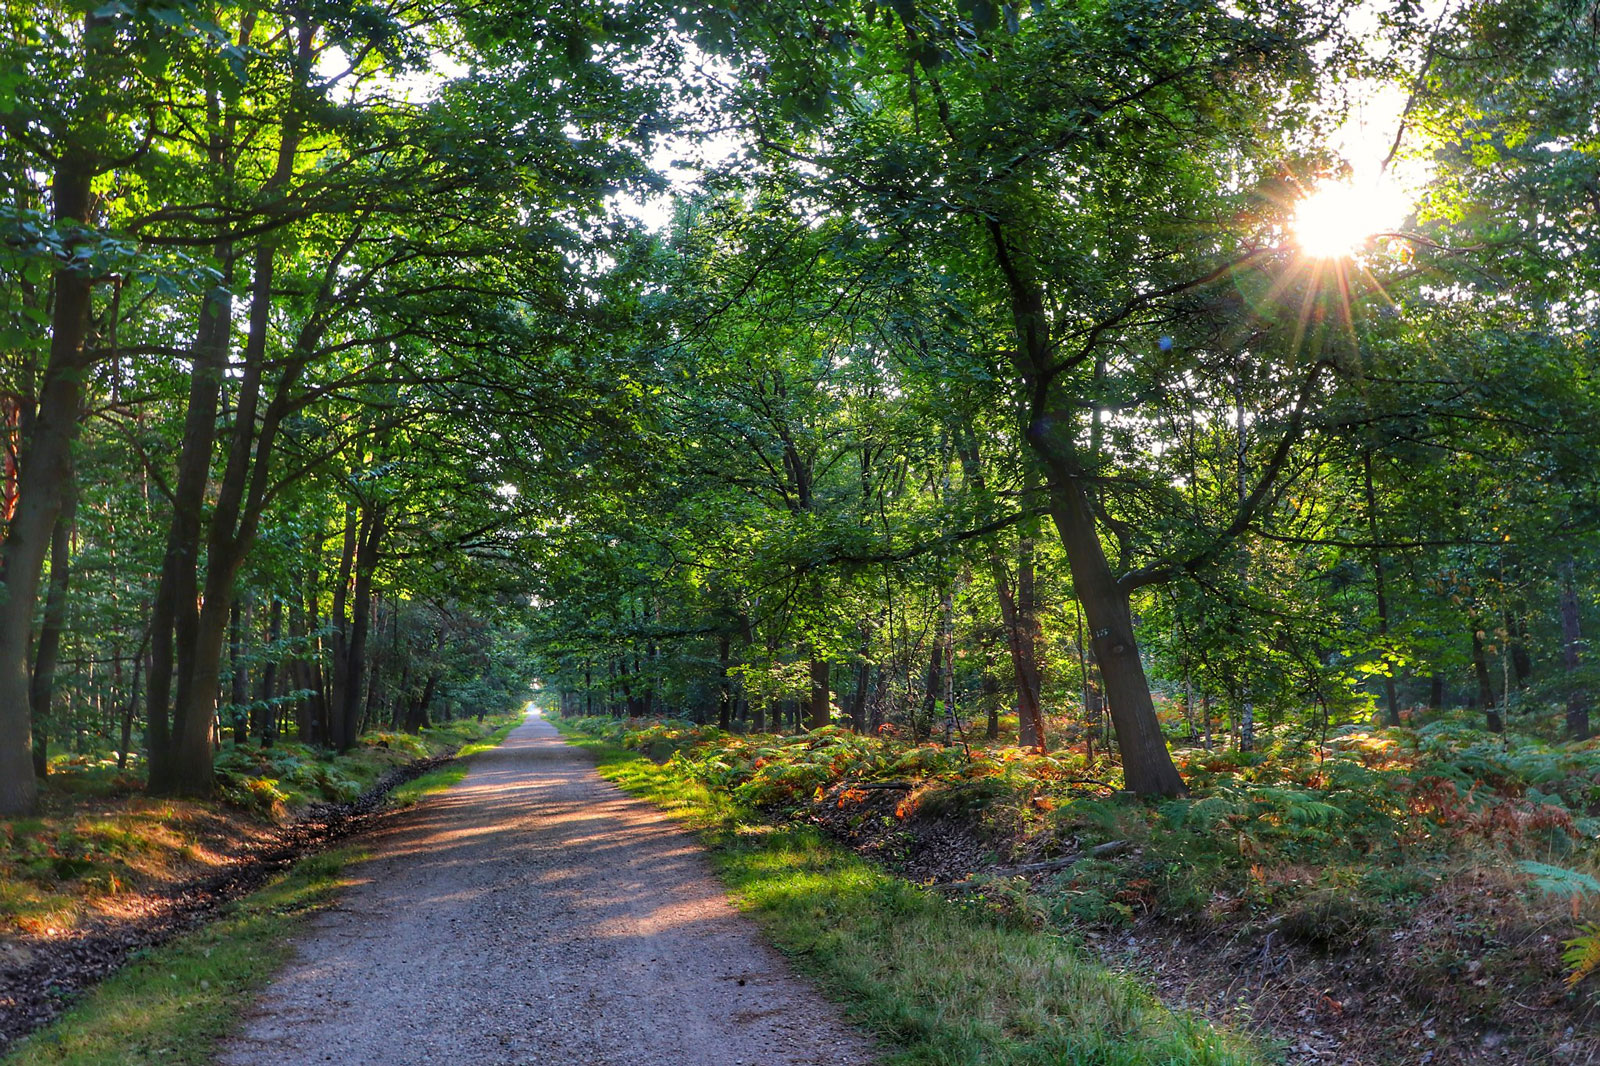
(1336, 218)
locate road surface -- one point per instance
(535, 914)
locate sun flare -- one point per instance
(1336, 219)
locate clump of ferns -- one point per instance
(1582, 952)
(1260, 819)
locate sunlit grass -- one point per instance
(947, 985)
(446, 777)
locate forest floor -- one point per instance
(534, 913)
(1359, 1004)
(104, 873)
(1403, 897)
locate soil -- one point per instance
(41, 974)
(536, 914)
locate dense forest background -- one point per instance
(971, 378)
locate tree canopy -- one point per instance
(976, 367)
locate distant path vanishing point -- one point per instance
(535, 914)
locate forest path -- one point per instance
(535, 914)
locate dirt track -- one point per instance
(531, 915)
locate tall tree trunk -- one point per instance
(1480, 669)
(242, 489)
(45, 466)
(947, 687)
(306, 669)
(371, 533)
(339, 622)
(174, 613)
(239, 679)
(989, 694)
(265, 713)
(47, 651)
(1571, 654)
(1517, 638)
(1018, 607)
(819, 703)
(933, 683)
(1022, 636)
(1391, 701)
(417, 720)
(1147, 765)
(125, 742)
(858, 694)
(724, 683)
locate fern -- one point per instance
(1582, 955)
(1558, 880)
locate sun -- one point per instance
(1336, 219)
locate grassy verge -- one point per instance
(448, 776)
(289, 775)
(174, 1003)
(949, 985)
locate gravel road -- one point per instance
(534, 914)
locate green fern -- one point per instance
(1582, 955)
(1558, 880)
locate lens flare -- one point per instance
(1337, 219)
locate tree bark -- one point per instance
(1020, 615)
(724, 683)
(1148, 769)
(1480, 668)
(858, 695)
(1517, 636)
(1391, 701)
(265, 713)
(239, 676)
(930, 697)
(1018, 612)
(174, 613)
(339, 621)
(366, 559)
(820, 704)
(1571, 654)
(47, 650)
(241, 492)
(45, 464)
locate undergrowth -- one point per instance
(950, 984)
(1332, 845)
(172, 1004)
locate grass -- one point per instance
(446, 777)
(174, 1003)
(273, 781)
(949, 985)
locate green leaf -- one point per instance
(1558, 880)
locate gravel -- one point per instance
(535, 914)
